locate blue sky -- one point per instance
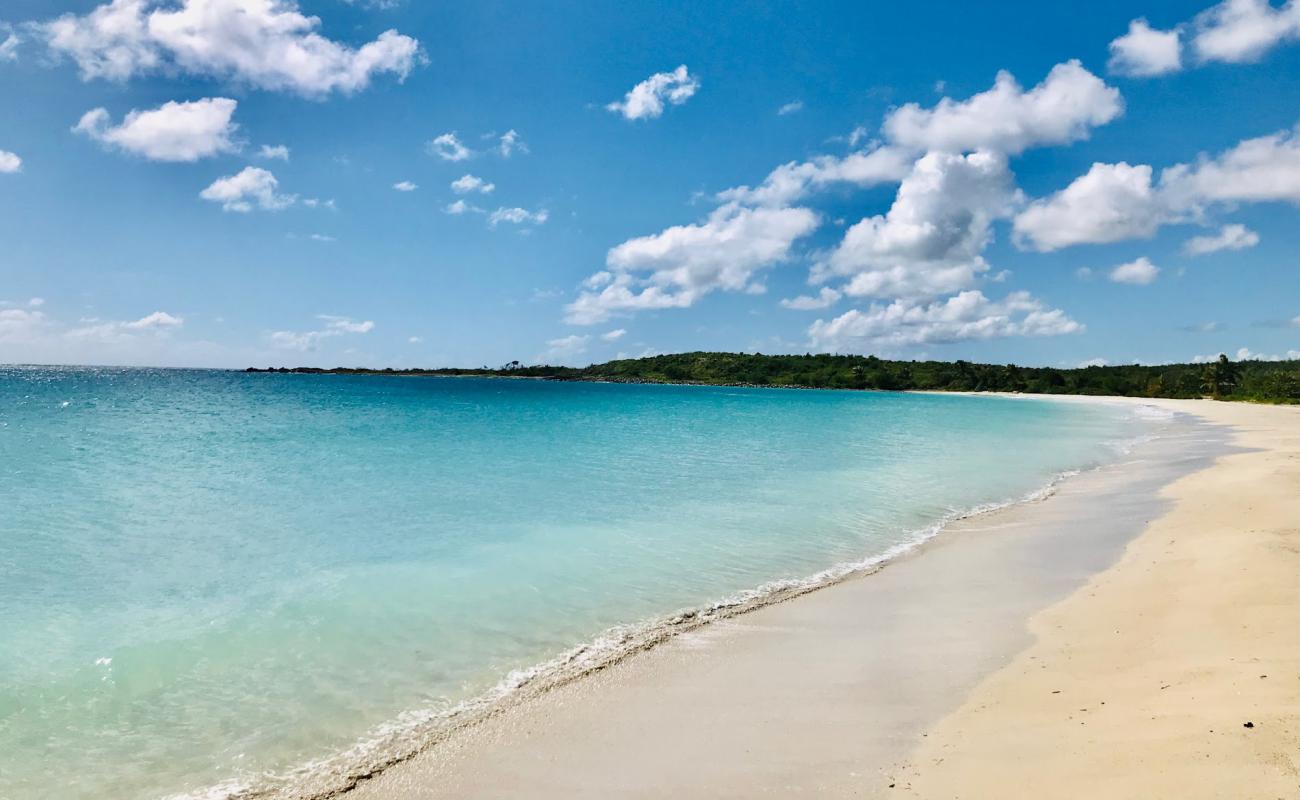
(664, 177)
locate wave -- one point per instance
(417, 730)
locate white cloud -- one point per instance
(1237, 31)
(565, 348)
(1229, 237)
(614, 335)
(250, 188)
(315, 202)
(1114, 202)
(405, 186)
(10, 162)
(826, 298)
(1007, 119)
(1246, 354)
(518, 216)
(415, 340)
(267, 44)
(461, 207)
(793, 107)
(304, 341)
(510, 143)
(321, 237)
(1140, 272)
(646, 99)
(270, 152)
(1145, 51)
(471, 183)
(20, 325)
(9, 41)
(792, 181)
(965, 317)
(930, 242)
(174, 131)
(36, 302)
(1093, 362)
(676, 267)
(1110, 203)
(158, 323)
(449, 148)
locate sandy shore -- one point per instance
(1176, 673)
(1163, 587)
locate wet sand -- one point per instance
(847, 690)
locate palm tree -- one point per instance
(1219, 378)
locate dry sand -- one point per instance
(1025, 622)
(1174, 674)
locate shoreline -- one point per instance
(449, 764)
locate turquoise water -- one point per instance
(208, 579)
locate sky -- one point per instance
(231, 183)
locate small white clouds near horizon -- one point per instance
(1246, 354)
(1145, 52)
(467, 184)
(1092, 362)
(676, 267)
(565, 347)
(304, 341)
(449, 147)
(968, 316)
(1229, 237)
(1139, 272)
(647, 99)
(405, 186)
(184, 131)
(792, 107)
(1062, 109)
(278, 152)
(253, 187)
(266, 44)
(10, 163)
(518, 216)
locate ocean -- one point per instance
(215, 584)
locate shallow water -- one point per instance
(209, 577)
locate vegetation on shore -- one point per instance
(1267, 381)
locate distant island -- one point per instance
(1264, 381)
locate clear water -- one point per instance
(207, 576)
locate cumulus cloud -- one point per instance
(405, 186)
(174, 131)
(1237, 31)
(10, 162)
(251, 188)
(646, 100)
(467, 183)
(1110, 203)
(518, 216)
(449, 148)
(1144, 51)
(826, 298)
(461, 207)
(792, 181)
(930, 241)
(676, 267)
(304, 341)
(1140, 272)
(20, 325)
(274, 152)
(1093, 362)
(1229, 237)
(267, 44)
(1007, 119)
(1115, 202)
(964, 317)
